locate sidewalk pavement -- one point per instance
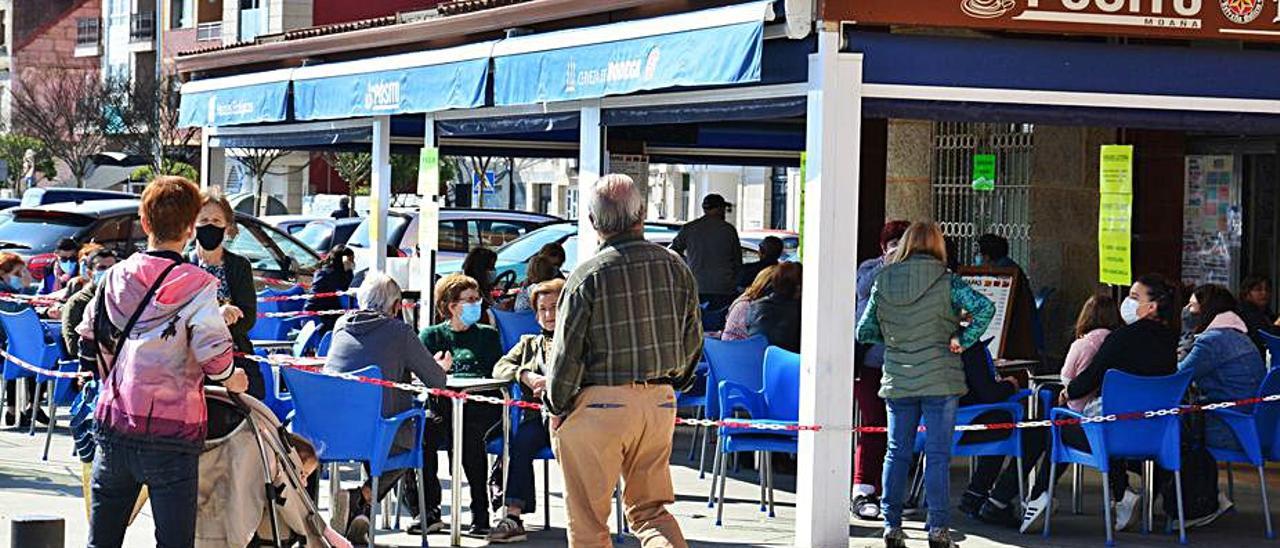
(28, 485)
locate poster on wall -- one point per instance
(1115, 214)
(1211, 220)
(635, 166)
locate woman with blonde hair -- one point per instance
(914, 310)
(735, 324)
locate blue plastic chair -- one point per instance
(1156, 438)
(279, 402)
(696, 397)
(356, 430)
(740, 361)
(322, 347)
(512, 325)
(1273, 346)
(61, 392)
(777, 401)
(307, 338)
(546, 455)
(1256, 433)
(277, 329)
(26, 341)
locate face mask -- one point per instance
(15, 281)
(210, 236)
(1129, 310)
(99, 276)
(68, 267)
(470, 314)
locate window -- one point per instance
(453, 236)
(303, 258)
(88, 30)
(182, 14)
(115, 233)
(248, 244)
(493, 234)
(964, 213)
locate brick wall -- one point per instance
(53, 46)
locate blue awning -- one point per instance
(242, 99)
(710, 47)
(410, 83)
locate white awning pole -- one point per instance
(380, 191)
(590, 168)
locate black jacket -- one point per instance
(981, 380)
(1146, 347)
(1258, 319)
(244, 296)
(778, 319)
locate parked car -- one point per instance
(460, 230)
(39, 196)
(34, 232)
(8, 203)
(290, 224)
(752, 238)
(322, 235)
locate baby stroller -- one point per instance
(252, 491)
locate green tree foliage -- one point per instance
(14, 147)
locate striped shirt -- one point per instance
(628, 314)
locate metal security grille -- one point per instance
(965, 214)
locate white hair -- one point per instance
(616, 204)
(379, 293)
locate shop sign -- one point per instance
(1174, 19)
(984, 172)
(1115, 214)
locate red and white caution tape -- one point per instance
(45, 372)
(38, 300)
(305, 313)
(305, 296)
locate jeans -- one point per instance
(119, 472)
(905, 414)
(529, 439)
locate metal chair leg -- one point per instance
(335, 483)
(395, 504)
(760, 474)
(768, 463)
(34, 404)
(1106, 507)
(373, 519)
(1148, 496)
(1182, 521)
(617, 504)
(546, 494)
(702, 458)
(717, 462)
(724, 478)
(1048, 513)
(1231, 483)
(697, 414)
(1022, 483)
(53, 421)
(422, 503)
(1077, 501)
(1266, 506)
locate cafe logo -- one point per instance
(986, 9)
(1242, 12)
(651, 64)
(382, 95)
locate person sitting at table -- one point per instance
(735, 322)
(14, 280)
(541, 268)
(1098, 317)
(473, 349)
(777, 316)
(527, 363)
(64, 269)
(374, 334)
(334, 274)
(95, 264)
(481, 265)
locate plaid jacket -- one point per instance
(628, 314)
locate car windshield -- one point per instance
(37, 230)
(395, 225)
(519, 250)
(316, 235)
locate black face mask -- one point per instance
(210, 236)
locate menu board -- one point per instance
(997, 285)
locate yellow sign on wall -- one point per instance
(1115, 214)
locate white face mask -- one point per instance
(1129, 310)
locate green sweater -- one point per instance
(914, 310)
(475, 351)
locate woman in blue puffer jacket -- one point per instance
(1225, 363)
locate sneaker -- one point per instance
(971, 503)
(1127, 510)
(358, 530)
(433, 524)
(941, 538)
(479, 528)
(895, 538)
(507, 531)
(1224, 506)
(1034, 513)
(866, 507)
(995, 514)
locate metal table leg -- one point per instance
(1148, 495)
(506, 442)
(455, 475)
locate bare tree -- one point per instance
(151, 123)
(73, 112)
(257, 163)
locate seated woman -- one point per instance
(16, 280)
(473, 349)
(1225, 364)
(375, 335)
(777, 316)
(481, 265)
(334, 275)
(527, 362)
(735, 323)
(541, 269)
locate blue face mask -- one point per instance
(68, 267)
(99, 276)
(15, 282)
(470, 314)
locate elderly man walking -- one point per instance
(629, 336)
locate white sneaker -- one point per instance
(1127, 510)
(1224, 506)
(1034, 513)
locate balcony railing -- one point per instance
(88, 32)
(206, 32)
(142, 27)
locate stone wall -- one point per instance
(908, 170)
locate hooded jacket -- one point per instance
(365, 338)
(914, 310)
(152, 393)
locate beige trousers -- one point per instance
(619, 431)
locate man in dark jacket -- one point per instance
(711, 247)
(1020, 340)
(97, 265)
